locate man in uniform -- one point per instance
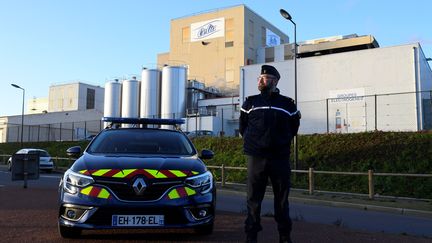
(268, 123)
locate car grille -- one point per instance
(103, 216)
(124, 189)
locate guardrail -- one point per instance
(311, 175)
(67, 162)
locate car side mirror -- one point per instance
(74, 151)
(206, 154)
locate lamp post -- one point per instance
(22, 113)
(287, 16)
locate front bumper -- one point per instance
(96, 213)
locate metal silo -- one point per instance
(173, 103)
(150, 93)
(130, 99)
(112, 100)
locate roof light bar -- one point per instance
(147, 121)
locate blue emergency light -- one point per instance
(144, 121)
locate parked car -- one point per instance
(201, 133)
(132, 177)
(45, 160)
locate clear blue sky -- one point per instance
(52, 41)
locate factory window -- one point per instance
(211, 110)
(269, 54)
(263, 36)
(186, 34)
(90, 99)
(251, 33)
(229, 32)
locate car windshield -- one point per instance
(41, 153)
(141, 141)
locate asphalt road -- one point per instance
(34, 210)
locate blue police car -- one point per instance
(137, 177)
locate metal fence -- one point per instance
(222, 177)
(407, 111)
(67, 131)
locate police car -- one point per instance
(137, 177)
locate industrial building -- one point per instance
(72, 111)
(215, 44)
(350, 84)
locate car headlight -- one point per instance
(73, 181)
(202, 183)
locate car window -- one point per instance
(41, 153)
(141, 141)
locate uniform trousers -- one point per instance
(259, 171)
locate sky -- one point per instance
(47, 42)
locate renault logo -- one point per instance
(139, 186)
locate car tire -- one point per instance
(69, 232)
(204, 229)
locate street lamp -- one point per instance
(22, 114)
(287, 16)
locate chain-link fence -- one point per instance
(409, 111)
(67, 131)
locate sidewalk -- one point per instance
(412, 207)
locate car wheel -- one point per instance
(204, 230)
(69, 232)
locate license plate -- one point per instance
(137, 220)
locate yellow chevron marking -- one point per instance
(173, 194)
(82, 171)
(195, 172)
(103, 194)
(124, 173)
(189, 191)
(178, 173)
(100, 172)
(155, 173)
(87, 190)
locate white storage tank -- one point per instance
(173, 103)
(130, 99)
(150, 93)
(112, 100)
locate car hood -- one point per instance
(91, 163)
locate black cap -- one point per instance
(267, 69)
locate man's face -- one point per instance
(266, 82)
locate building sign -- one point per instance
(271, 38)
(207, 29)
(348, 95)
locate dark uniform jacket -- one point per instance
(268, 123)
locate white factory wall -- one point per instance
(46, 126)
(37, 105)
(73, 96)
(368, 72)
